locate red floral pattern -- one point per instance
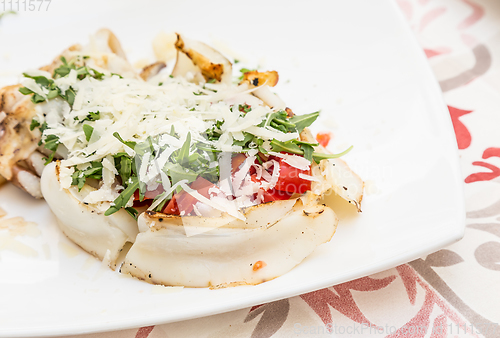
(463, 135)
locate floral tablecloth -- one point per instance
(454, 292)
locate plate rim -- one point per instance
(455, 233)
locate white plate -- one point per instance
(355, 60)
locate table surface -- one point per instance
(452, 292)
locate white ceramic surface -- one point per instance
(357, 61)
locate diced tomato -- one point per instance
(290, 181)
(324, 138)
(275, 195)
(171, 208)
(136, 195)
(184, 202)
(263, 158)
(182, 198)
(153, 193)
(244, 108)
(148, 197)
(271, 194)
(138, 202)
(236, 161)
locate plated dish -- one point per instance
(375, 91)
(195, 179)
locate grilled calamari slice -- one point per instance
(274, 238)
(334, 174)
(261, 83)
(194, 251)
(20, 162)
(198, 59)
(151, 70)
(17, 142)
(85, 224)
(255, 78)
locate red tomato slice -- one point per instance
(171, 208)
(136, 195)
(236, 161)
(184, 202)
(138, 202)
(272, 194)
(275, 195)
(148, 197)
(290, 181)
(152, 194)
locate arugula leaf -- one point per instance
(177, 173)
(95, 171)
(300, 143)
(34, 124)
(173, 133)
(69, 96)
(92, 116)
(25, 91)
(36, 98)
(88, 130)
(303, 121)
(63, 70)
(214, 133)
(144, 147)
(182, 154)
(207, 148)
(122, 200)
(43, 127)
(82, 72)
(129, 144)
(308, 151)
(53, 93)
(51, 143)
(259, 142)
(132, 212)
(303, 148)
(48, 84)
(41, 80)
(160, 206)
(279, 127)
(288, 147)
(320, 156)
(248, 137)
(124, 168)
(282, 120)
(79, 177)
(98, 75)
